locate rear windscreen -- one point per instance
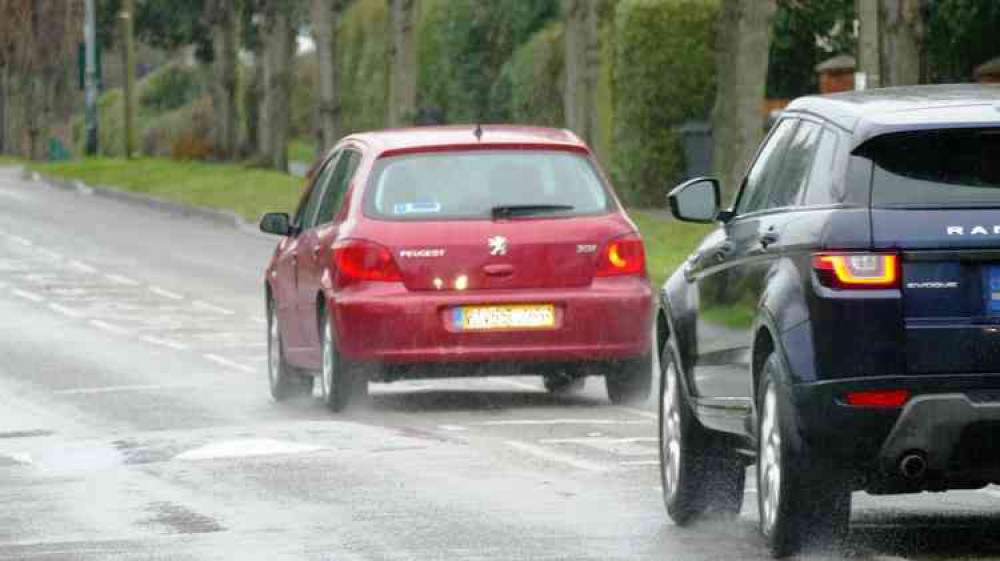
(471, 184)
(956, 167)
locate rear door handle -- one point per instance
(768, 238)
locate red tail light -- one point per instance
(361, 260)
(623, 256)
(884, 398)
(857, 270)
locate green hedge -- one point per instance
(536, 75)
(664, 76)
(362, 42)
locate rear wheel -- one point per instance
(286, 381)
(800, 503)
(698, 474)
(339, 382)
(631, 381)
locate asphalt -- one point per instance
(135, 424)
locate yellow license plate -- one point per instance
(488, 318)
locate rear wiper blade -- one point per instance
(514, 211)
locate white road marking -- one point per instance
(109, 327)
(59, 309)
(36, 176)
(82, 187)
(598, 439)
(119, 279)
(641, 413)
(165, 293)
(27, 295)
(164, 342)
(19, 457)
(246, 448)
(552, 456)
(260, 320)
(20, 240)
(528, 422)
(452, 428)
(514, 383)
(212, 308)
(132, 388)
(627, 447)
(12, 195)
(54, 255)
(81, 266)
(229, 363)
(630, 463)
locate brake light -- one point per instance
(623, 256)
(857, 270)
(882, 398)
(361, 260)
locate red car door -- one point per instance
(290, 253)
(316, 247)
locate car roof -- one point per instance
(872, 113)
(457, 137)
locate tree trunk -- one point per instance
(279, 61)
(3, 110)
(583, 67)
(225, 46)
(902, 42)
(403, 62)
(325, 15)
(742, 59)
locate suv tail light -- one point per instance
(882, 398)
(857, 270)
(623, 256)
(362, 260)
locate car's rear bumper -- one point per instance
(948, 420)
(609, 320)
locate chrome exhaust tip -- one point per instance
(913, 465)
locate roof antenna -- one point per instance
(478, 132)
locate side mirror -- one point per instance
(277, 223)
(696, 200)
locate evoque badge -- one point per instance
(498, 245)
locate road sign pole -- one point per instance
(90, 77)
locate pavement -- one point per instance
(135, 423)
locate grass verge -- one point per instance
(250, 192)
(247, 191)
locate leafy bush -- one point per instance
(182, 134)
(664, 76)
(464, 47)
(362, 44)
(168, 88)
(536, 74)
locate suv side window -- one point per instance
(306, 218)
(787, 187)
(336, 188)
(765, 168)
(820, 190)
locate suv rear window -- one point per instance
(468, 185)
(941, 168)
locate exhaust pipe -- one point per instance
(913, 465)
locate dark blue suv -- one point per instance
(841, 326)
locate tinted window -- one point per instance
(336, 187)
(468, 185)
(789, 184)
(938, 168)
(764, 169)
(306, 216)
(820, 190)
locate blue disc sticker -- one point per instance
(417, 208)
(458, 319)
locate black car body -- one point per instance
(862, 257)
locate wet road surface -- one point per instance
(135, 424)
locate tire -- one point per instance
(565, 382)
(286, 382)
(631, 381)
(698, 474)
(801, 503)
(339, 382)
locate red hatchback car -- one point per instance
(457, 251)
